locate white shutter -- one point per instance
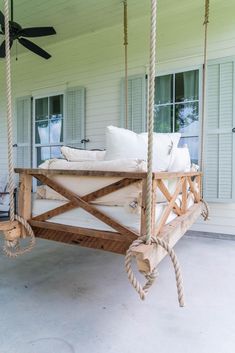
(136, 103)
(219, 139)
(75, 117)
(23, 131)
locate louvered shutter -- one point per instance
(75, 117)
(219, 139)
(136, 103)
(23, 131)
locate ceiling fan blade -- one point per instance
(37, 32)
(2, 19)
(34, 48)
(3, 48)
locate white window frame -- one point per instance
(200, 78)
(35, 145)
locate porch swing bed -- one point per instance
(82, 220)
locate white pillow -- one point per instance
(123, 143)
(76, 155)
(181, 161)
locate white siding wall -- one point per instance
(95, 61)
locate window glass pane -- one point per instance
(192, 143)
(186, 86)
(56, 105)
(43, 153)
(186, 118)
(163, 118)
(164, 89)
(42, 132)
(41, 109)
(56, 152)
(56, 129)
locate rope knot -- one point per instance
(151, 276)
(12, 247)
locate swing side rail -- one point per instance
(119, 239)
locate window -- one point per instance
(48, 127)
(177, 107)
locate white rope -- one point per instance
(11, 185)
(149, 199)
(204, 81)
(12, 248)
(151, 118)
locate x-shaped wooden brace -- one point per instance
(76, 201)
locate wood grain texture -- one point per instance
(148, 257)
(168, 196)
(169, 208)
(111, 245)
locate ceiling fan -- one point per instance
(18, 33)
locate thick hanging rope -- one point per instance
(11, 185)
(149, 239)
(12, 248)
(151, 94)
(204, 78)
(205, 212)
(125, 43)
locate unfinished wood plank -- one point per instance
(153, 207)
(184, 196)
(120, 184)
(24, 196)
(169, 208)
(194, 191)
(35, 171)
(143, 209)
(169, 175)
(55, 212)
(198, 180)
(82, 231)
(168, 196)
(118, 247)
(149, 256)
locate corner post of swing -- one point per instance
(188, 186)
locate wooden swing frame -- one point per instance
(118, 240)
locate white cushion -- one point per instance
(181, 161)
(123, 143)
(76, 155)
(121, 165)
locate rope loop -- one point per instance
(151, 277)
(206, 210)
(12, 248)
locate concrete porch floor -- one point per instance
(65, 299)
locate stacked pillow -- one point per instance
(126, 151)
(122, 143)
